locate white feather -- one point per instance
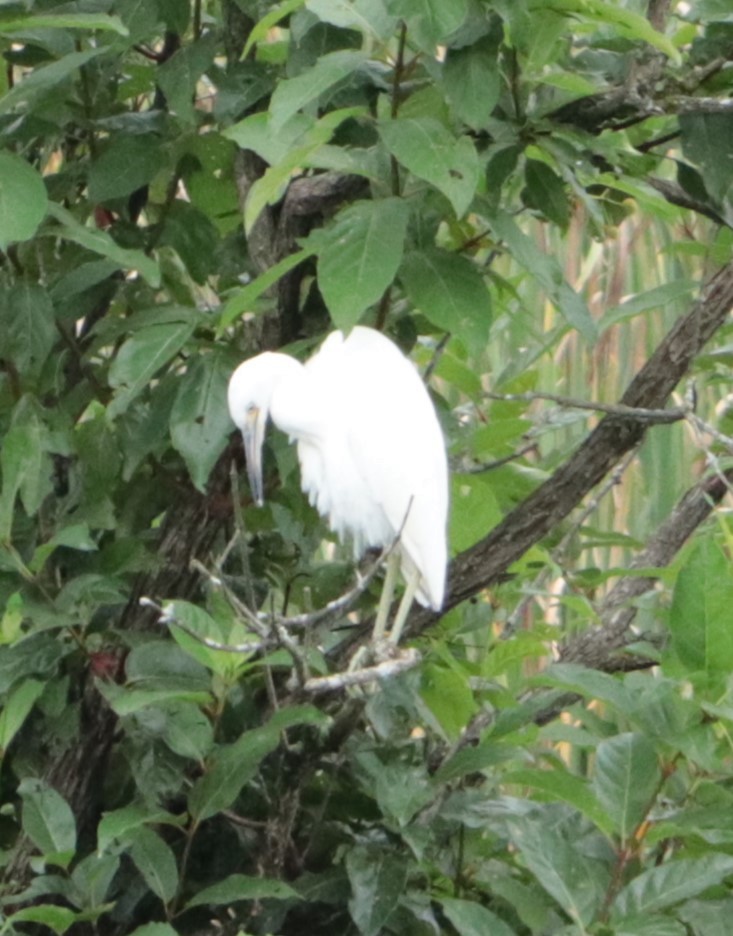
(370, 447)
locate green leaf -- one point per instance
(187, 731)
(472, 82)
(179, 76)
(128, 163)
(199, 422)
(194, 238)
(93, 876)
(577, 881)
(102, 21)
(293, 94)
(23, 200)
(256, 133)
(450, 292)
(16, 709)
(240, 887)
(587, 682)
(547, 272)
(626, 780)
(360, 256)
(560, 785)
(35, 655)
(471, 919)
(669, 884)
(260, 30)
(118, 824)
(377, 883)
(75, 536)
(48, 821)
(699, 619)
(100, 242)
(234, 765)
(449, 698)
(707, 140)
(29, 331)
(243, 300)
(436, 19)
(545, 192)
(271, 186)
(155, 861)
(626, 22)
(141, 357)
(155, 929)
(40, 80)
(58, 919)
(658, 297)
(25, 471)
(474, 511)
(124, 701)
(705, 917)
(368, 16)
(657, 926)
(401, 790)
(431, 152)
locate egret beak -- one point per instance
(253, 433)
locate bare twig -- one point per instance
(287, 641)
(166, 615)
(612, 409)
(408, 658)
(337, 607)
(676, 195)
(499, 462)
(238, 606)
(596, 646)
(437, 354)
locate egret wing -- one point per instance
(385, 418)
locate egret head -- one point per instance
(251, 388)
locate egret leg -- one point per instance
(385, 600)
(404, 609)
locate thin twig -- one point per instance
(287, 641)
(344, 602)
(500, 462)
(409, 657)
(437, 355)
(613, 409)
(281, 625)
(166, 616)
(238, 606)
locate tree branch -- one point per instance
(597, 646)
(483, 564)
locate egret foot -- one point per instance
(385, 599)
(404, 609)
(383, 645)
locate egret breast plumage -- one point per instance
(370, 447)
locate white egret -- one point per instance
(371, 452)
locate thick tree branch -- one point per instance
(484, 564)
(597, 646)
